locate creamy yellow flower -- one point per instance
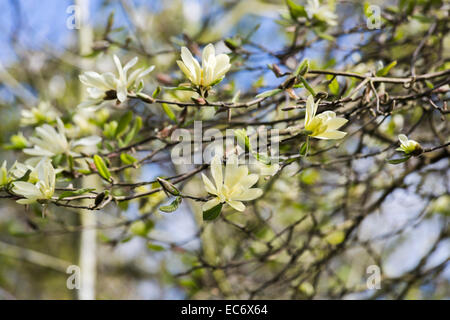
(408, 146)
(43, 189)
(99, 84)
(232, 189)
(213, 67)
(49, 142)
(324, 125)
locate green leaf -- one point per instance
(168, 110)
(123, 124)
(172, 206)
(139, 228)
(25, 177)
(268, 93)
(399, 160)
(384, 71)
(333, 85)
(134, 131)
(66, 194)
(335, 237)
(296, 10)
(169, 187)
(262, 158)
(307, 86)
(156, 92)
(302, 68)
(212, 213)
(101, 168)
(155, 247)
(127, 159)
(242, 139)
(304, 148)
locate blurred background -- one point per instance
(161, 256)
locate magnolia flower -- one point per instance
(324, 125)
(43, 189)
(4, 176)
(408, 146)
(213, 67)
(234, 187)
(50, 142)
(99, 85)
(323, 13)
(18, 170)
(44, 112)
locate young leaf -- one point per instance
(242, 139)
(384, 71)
(169, 112)
(169, 187)
(302, 68)
(268, 93)
(212, 213)
(101, 168)
(307, 86)
(66, 194)
(296, 10)
(123, 124)
(399, 160)
(155, 247)
(333, 85)
(304, 148)
(134, 131)
(156, 92)
(172, 206)
(127, 159)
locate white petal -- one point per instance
(216, 171)
(209, 185)
(249, 180)
(237, 205)
(119, 67)
(311, 109)
(335, 123)
(211, 204)
(87, 141)
(222, 65)
(187, 72)
(209, 53)
(403, 139)
(331, 135)
(129, 65)
(191, 63)
(249, 194)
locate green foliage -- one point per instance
(101, 167)
(212, 213)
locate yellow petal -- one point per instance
(331, 135)
(211, 204)
(249, 194)
(311, 109)
(186, 71)
(335, 123)
(237, 205)
(216, 171)
(248, 181)
(209, 185)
